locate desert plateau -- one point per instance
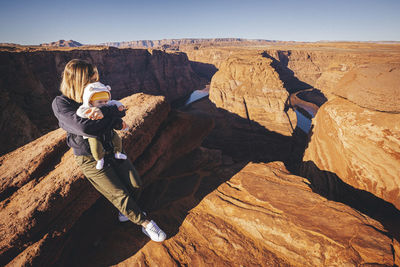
(288, 155)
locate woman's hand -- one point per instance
(122, 108)
(95, 114)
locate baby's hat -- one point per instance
(100, 96)
(96, 91)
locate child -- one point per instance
(97, 95)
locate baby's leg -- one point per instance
(97, 149)
(117, 144)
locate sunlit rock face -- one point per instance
(373, 86)
(30, 80)
(360, 146)
(246, 84)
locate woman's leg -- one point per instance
(129, 175)
(113, 186)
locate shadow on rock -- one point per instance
(290, 81)
(330, 186)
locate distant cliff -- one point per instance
(30, 80)
(178, 42)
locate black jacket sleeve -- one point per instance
(65, 111)
(117, 125)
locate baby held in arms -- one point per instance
(96, 95)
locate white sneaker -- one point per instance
(100, 164)
(122, 217)
(154, 232)
(120, 155)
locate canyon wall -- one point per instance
(30, 80)
(357, 136)
(373, 86)
(360, 146)
(302, 66)
(167, 43)
(246, 84)
(43, 192)
(322, 66)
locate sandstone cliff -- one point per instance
(44, 193)
(189, 41)
(30, 80)
(248, 85)
(360, 146)
(373, 86)
(301, 66)
(323, 65)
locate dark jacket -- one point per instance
(65, 111)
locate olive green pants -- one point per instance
(119, 182)
(97, 149)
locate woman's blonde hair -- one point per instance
(76, 75)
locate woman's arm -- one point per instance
(65, 112)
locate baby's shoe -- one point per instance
(100, 164)
(125, 129)
(154, 232)
(122, 217)
(120, 155)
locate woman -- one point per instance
(119, 182)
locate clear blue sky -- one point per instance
(92, 22)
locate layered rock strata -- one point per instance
(323, 66)
(263, 215)
(30, 80)
(247, 84)
(44, 203)
(303, 66)
(373, 86)
(360, 146)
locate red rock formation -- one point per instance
(360, 146)
(262, 216)
(247, 84)
(374, 86)
(318, 65)
(30, 80)
(323, 65)
(44, 203)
